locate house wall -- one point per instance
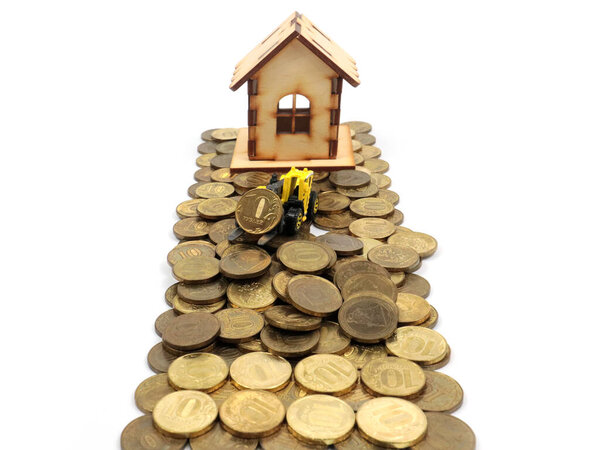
(295, 69)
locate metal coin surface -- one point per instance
(255, 345)
(198, 371)
(359, 126)
(217, 208)
(326, 374)
(159, 359)
(151, 390)
(215, 190)
(245, 263)
(439, 364)
(418, 344)
(391, 422)
(163, 320)
(320, 419)
(183, 307)
(251, 180)
(331, 202)
(191, 331)
(303, 257)
(432, 319)
(396, 218)
(393, 377)
(361, 354)
(424, 244)
(260, 370)
(371, 207)
(189, 249)
(290, 393)
(287, 317)
(280, 282)
(223, 393)
(370, 151)
(441, 394)
(342, 244)
(368, 319)
(221, 161)
(259, 211)
(205, 293)
(219, 231)
(207, 147)
(188, 208)
(369, 190)
(222, 176)
(239, 324)
(349, 178)
(192, 189)
(284, 440)
(224, 134)
(203, 174)
(347, 270)
(382, 181)
(377, 165)
(204, 160)
(334, 221)
(357, 396)
(356, 145)
(140, 434)
(357, 442)
(225, 148)
(415, 284)
(370, 284)
(252, 414)
(412, 309)
(394, 258)
(372, 227)
(256, 293)
(446, 432)
(218, 438)
(332, 339)
(190, 228)
(314, 295)
(196, 269)
(207, 134)
(289, 344)
(365, 138)
(185, 414)
(368, 244)
(388, 195)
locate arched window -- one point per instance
(293, 115)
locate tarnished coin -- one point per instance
(221, 394)
(222, 176)
(284, 440)
(331, 202)
(217, 208)
(446, 432)
(190, 228)
(280, 282)
(183, 307)
(368, 244)
(412, 309)
(357, 396)
(314, 295)
(289, 344)
(393, 377)
(332, 339)
(252, 414)
(163, 320)
(260, 370)
(377, 165)
(185, 414)
(342, 244)
(219, 231)
(369, 190)
(421, 243)
(357, 442)
(396, 218)
(225, 147)
(415, 284)
(370, 151)
(151, 390)
(256, 293)
(442, 393)
(439, 364)
(207, 135)
(394, 258)
(382, 181)
(207, 147)
(205, 293)
(368, 319)
(388, 195)
(198, 371)
(259, 211)
(290, 393)
(320, 419)
(225, 134)
(196, 269)
(215, 190)
(369, 284)
(326, 374)
(218, 438)
(221, 161)
(140, 434)
(204, 160)
(229, 353)
(358, 126)
(245, 263)
(365, 138)
(239, 324)
(371, 207)
(202, 175)
(372, 227)
(188, 209)
(255, 345)
(334, 221)
(192, 189)
(250, 180)
(189, 249)
(347, 270)
(287, 317)
(303, 257)
(432, 319)
(418, 344)
(361, 354)
(191, 331)
(159, 359)
(349, 178)
(391, 422)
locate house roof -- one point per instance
(298, 27)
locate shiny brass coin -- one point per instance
(382, 181)
(197, 269)
(287, 317)
(397, 217)
(232, 248)
(225, 148)
(202, 174)
(334, 221)
(432, 319)
(369, 284)
(190, 228)
(415, 284)
(255, 345)
(290, 393)
(223, 393)
(314, 295)
(372, 227)
(183, 307)
(377, 165)
(438, 364)
(393, 257)
(349, 178)
(442, 393)
(185, 414)
(303, 257)
(140, 434)
(342, 244)
(356, 145)
(191, 331)
(289, 344)
(393, 377)
(214, 190)
(369, 190)
(251, 180)
(256, 293)
(190, 249)
(207, 135)
(357, 442)
(320, 176)
(221, 161)
(417, 344)
(368, 319)
(252, 414)
(151, 390)
(192, 189)
(284, 440)
(398, 278)
(388, 195)
(222, 176)
(331, 203)
(260, 370)
(203, 294)
(326, 374)
(371, 207)
(347, 270)
(198, 371)
(225, 134)
(159, 359)
(421, 243)
(361, 354)
(219, 231)
(357, 396)
(207, 147)
(170, 293)
(217, 208)
(358, 158)
(204, 160)
(218, 438)
(280, 282)
(332, 339)
(359, 127)
(163, 320)
(259, 211)
(365, 138)
(391, 422)
(246, 263)
(370, 152)
(239, 324)
(320, 419)
(446, 432)
(187, 209)
(412, 309)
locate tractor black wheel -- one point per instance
(313, 206)
(291, 221)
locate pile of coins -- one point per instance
(307, 342)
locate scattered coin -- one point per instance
(170, 293)
(225, 134)
(207, 135)
(214, 190)
(284, 440)
(326, 374)
(446, 432)
(163, 320)
(349, 269)
(287, 317)
(377, 165)
(229, 353)
(415, 284)
(356, 145)
(369, 284)
(222, 176)
(371, 207)
(183, 307)
(192, 189)
(201, 175)
(331, 202)
(421, 243)
(289, 344)
(342, 244)
(349, 179)
(196, 269)
(198, 371)
(361, 354)
(439, 364)
(334, 221)
(412, 309)
(207, 147)
(260, 370)
(219, 231)
(259, 211)
(141, 434)
(393, 377)
(250, 180)
(204, 160)
(303, 257)
(221, 394)
(388, 195)
(396, 218)
(370, 227)
(150, 391)
(159, 359)
(398, 278)
(256, 293)
(393, 257)
(365, 138)
(418, 344)
(357, 396)
(370, 152)
(442, 393)
(280, 282)
(190, 228)
(252, 414)
(188, 249)
(205, 293)
(225, 148)
(314, 295)
(332, 339)
(239, 324)
(369, 190)
(368, 319)
(432, 319)
(358, 126)
(246, 263)
(218, 438)
(255, 345)
(191, 331)
(221, 161)
(185, 414)
(217, 208)
(357, 442)
(188, 209)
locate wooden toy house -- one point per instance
(294, 79)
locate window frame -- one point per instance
(293, 114)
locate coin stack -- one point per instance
(308, 342)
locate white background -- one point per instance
(487, 112)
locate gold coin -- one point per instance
(214, 190)
(207, 134)
(356, 145)
(252, 414)
(222, 176)
(382, 181)
(284, 440)
(391, 422)
(239, 324)
(197, 269)
(204, 160)
(198, 371)
(191, 331)
(369, 190)
(320, 419)
(225, 134)
(368, 244)
(421, 243)
(442, 393)
(141, 434)
(219, 231)
(357, 442)
(388, 195)
(398, 278)
(377, 165)
(260, 370)
(183, 307)
(358, 126)
(370, 284)
(229, 353)
(289, 344)
(170, 293)
(151, 390)
(223, 393)
(250, 180)
(217, 208)
(396, 218)
(163, 320)
(259, 211)
(218, 438)
(207, 147)
(221, 161)
(348, 269)
(287, 317)
(177, 352)
(357, 396)
(349, 178)
(372, 227)
(189, 249)
(190, 228)
(371, 207)
(368, 319)
(203, 294)
(361, 354)
(417, 344)
(326, 374)
(314, 295)
(339, 221)
(159, 359)
(447, 432)
(188, 209)
(255, 345)
(370, 152)
(394, 258)
(192, 189)
(393, 377)
(432, 319)
(202, 174)
(362, 168)
(303, 257)
(290, 393)
(342, 244)
(412, 309)
(254, 294)
(280, 282)
(244, 263)
(185, 414)
(365, 138)
(225, 147)
(332, 339)
(415, 284)
(331, 202)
